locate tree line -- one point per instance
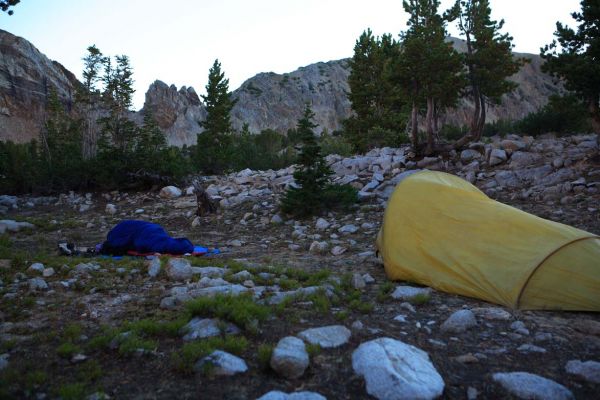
(398, 87)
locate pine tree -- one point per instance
(578, 61)
(488, 60)
(375, 103)
(60, 143)
(313, 174)
(118, 130)
(214, 145)
(88, 98)
(428, 68)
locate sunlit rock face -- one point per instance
(26, 78)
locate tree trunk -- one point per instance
(429, 123)
(595, 115)
(481, 121)
(206, 205)
(414, 129)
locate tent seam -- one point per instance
(537, 267)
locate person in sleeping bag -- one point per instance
(143, 237)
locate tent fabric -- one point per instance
(143, 237)
(441, 231)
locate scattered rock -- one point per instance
(36, 284)
(459, 321)
(408, 292)
(338, 250)
(492, 313)
(221, 363)
(277, 395)
(179, 269)
(326, 336)
(199, 328)
(394, 370)
(110, 209)
(276, 219)
(358, 282)
(530, 348)
(588, 370)
(321, 224)
(170, 192)
(317, 247)
(348, 229)
(154, 267)
(290, 358)
(529, 386)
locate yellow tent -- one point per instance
(441, 231)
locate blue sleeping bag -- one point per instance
(143, 237)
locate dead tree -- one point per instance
(206, 205)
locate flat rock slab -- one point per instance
(588, 370)
(394, 370)
(327, 336)
(277, 395)
(199, 328)
(459, 321)
(408, 292)
(232, 290)
(290, 358)
(211, 272)
(222, 363)
(533, 387)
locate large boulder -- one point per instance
(394, 370)
(524, 385)
(289, 357)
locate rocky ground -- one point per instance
(299, 307)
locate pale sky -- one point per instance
(177, 41)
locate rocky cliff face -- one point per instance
(177, 112)
(26, 78)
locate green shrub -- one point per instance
(67, 350)
(562, 115)
(264, 353)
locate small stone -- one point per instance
(408, 292)
(317, 247)
(530, 348)
(459, 321)
(196, 222)
(179, 269)
(492, 313)
(276, 219)
(357, 325)
(327, 336)
(321, 224)
(338, 250)
(294, 247)
(277, 395)
(154, 267)
(48, 272)
(347, 229)
(467, 359)
(472, 393)
(408, 307)
(290, 358)
(400, 318)
(222, 364)
(36, 268)
(588, 370)
(358, 282)
(77, 358)
(110, 209)
(170, 192)
(199, 328)
(36, 284)
(530, 386)
(368, 278)
(235, 243)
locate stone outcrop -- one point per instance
(26, 78)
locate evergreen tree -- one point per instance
(488, 60)
(214, 145)
(578, 61)
(87, 98)
(313, 174)
(117, 129)
(428, 68)
(376, 105)
(60, 142)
